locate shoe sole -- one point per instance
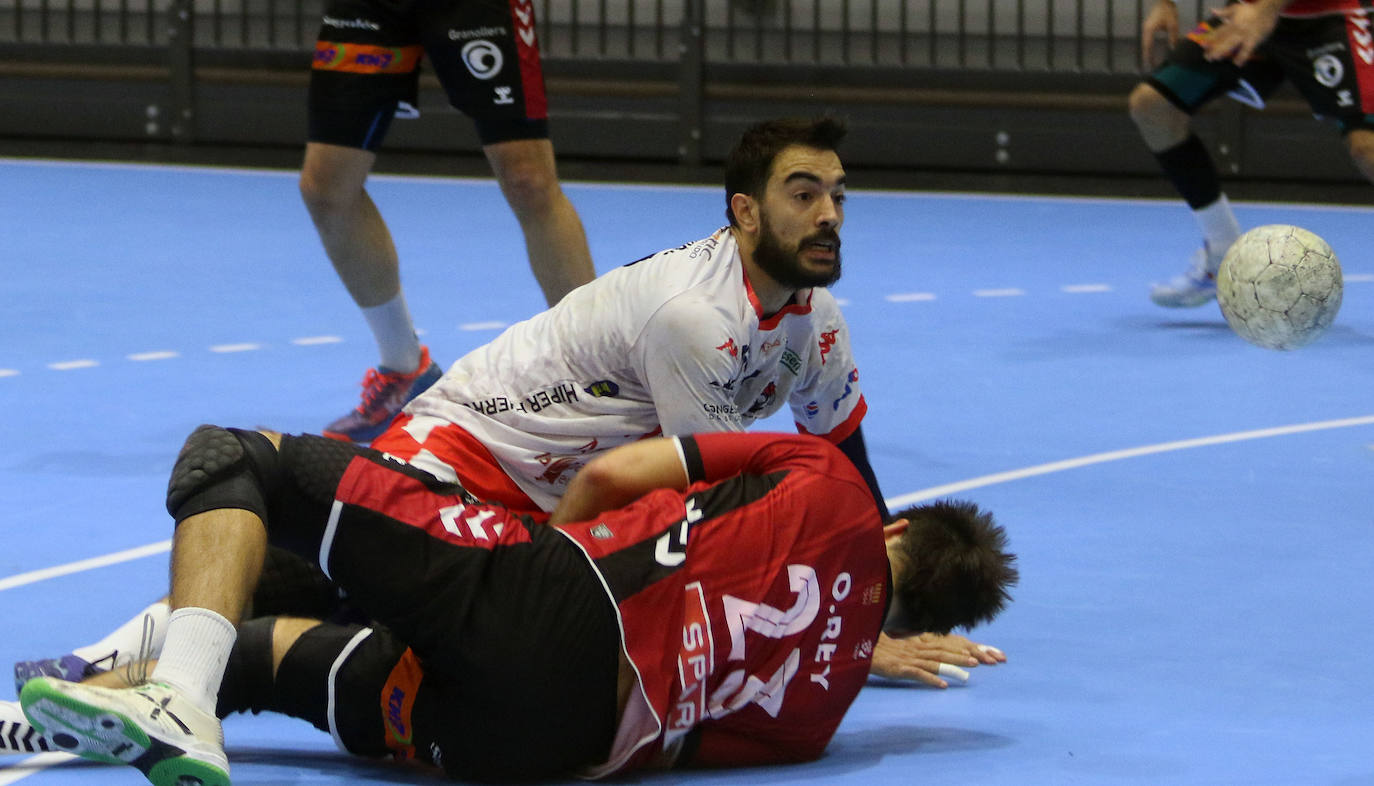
(101, 734)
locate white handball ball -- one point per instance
(1279, 286)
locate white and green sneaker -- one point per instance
(151, 727)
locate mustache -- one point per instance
(823, 236)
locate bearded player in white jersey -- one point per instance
(709, 336)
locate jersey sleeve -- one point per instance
(829, 402)
(684, 358)
(714, 457)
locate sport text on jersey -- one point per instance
(562, 393)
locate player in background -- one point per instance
(367, 62)
(706, 600)
(1246, 50)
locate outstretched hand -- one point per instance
(918, 658)
(1163, 18)
(1245, 26)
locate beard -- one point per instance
(785, 265)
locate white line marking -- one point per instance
(843, 302)
(1359, 277)
(32, 766)
(8, 372)
(482, 326)
(909, 297)
(163, 354)
(1079, 289)
(235, 347)
(311, 341)
(1116, 455)
(68, 365)
(1007, 292)
(34, 576)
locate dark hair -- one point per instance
(957, 568)
(751, 161)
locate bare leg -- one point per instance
(1360, 143)
(554, 237)
(1161, 124)
(355, 237)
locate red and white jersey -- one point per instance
(749, 606)
(1300, 8)
(673, 344)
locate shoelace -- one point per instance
(376, 385)
(136, 670)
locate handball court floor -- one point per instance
(1192, 514)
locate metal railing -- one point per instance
(1061, 36)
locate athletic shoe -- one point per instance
(384, 394)
(71, 668)
(1193, 288)
(17, 735)
(151, 728)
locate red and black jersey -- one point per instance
(749, 604)
(1299, 8)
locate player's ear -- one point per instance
(746, 210)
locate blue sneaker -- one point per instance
(384, 394)
(70, 668)
(1195, 287)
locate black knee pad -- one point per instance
(222, 468)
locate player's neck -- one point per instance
(772, 295)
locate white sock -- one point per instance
(1219, 226)
(195, 654)
(395, 334)
(126, 642)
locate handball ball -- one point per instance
(1279, 286)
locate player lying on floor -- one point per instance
(704, 600)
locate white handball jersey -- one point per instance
(674, 343)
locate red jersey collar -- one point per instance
(799, 304)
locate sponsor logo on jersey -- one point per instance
(602, 532)
(395, 705)
(721, 411)
(827, 341)
(1328, 70)
(482, 58)
(563, 393)
(523, 12)
(1201, 34)
(357, 23)
(603, 388)
(769, 346)
(791, 361)
(695, 664)
(502, 95)
(729, 346)
(477, 32)
(863, 650)
(704, 248)
(365, 59)
(812, 409)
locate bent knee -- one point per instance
(1360, 143)
(1149, 107)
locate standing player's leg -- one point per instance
(366, 62)
(1162, 107)
(486, 56)
(554, 237)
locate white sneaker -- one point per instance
(151, 727)
(17, 735)
(1194, 288)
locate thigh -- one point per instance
(367, 59)
(1189, 80)
(1330, 60)
(486, 56)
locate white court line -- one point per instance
(8, 372)
(35, 576)
(1005, 292)
(162, 354)
(68, 365)
(32, 766)
(235, 347)
(482, 326)
(313, 341)
(1078, 289)
(1117, 455)
(909, 297)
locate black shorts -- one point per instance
(1329, 59)
(484, 52)
(514, 646)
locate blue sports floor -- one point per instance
(1193, 514)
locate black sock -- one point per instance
(1189, 167)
